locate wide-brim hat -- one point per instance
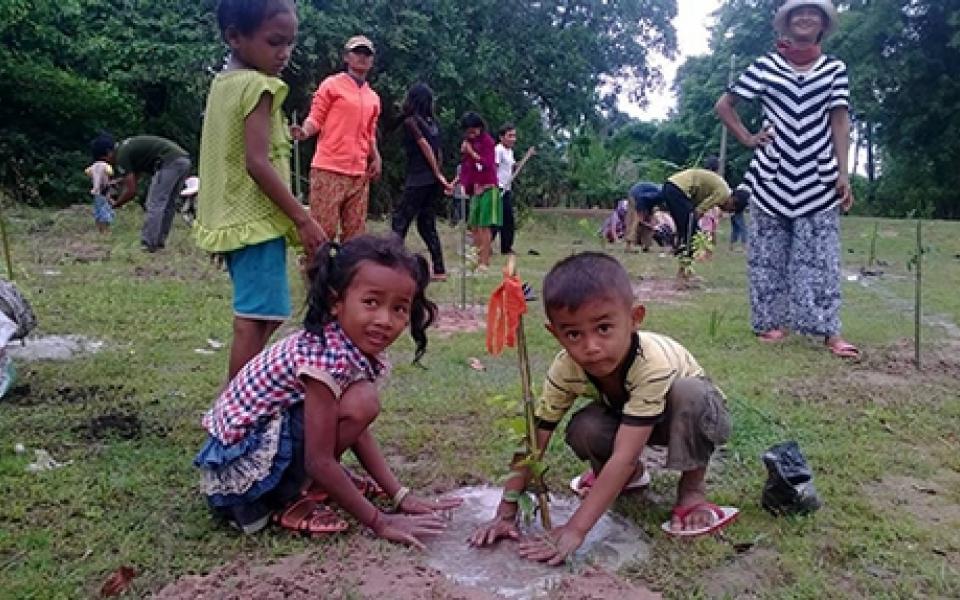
(780, 19)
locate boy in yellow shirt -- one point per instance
(647, 389)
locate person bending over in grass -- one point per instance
(279, 429)
(647, 389)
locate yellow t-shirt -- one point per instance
(232, 210)
(704, 188)
(656, 361)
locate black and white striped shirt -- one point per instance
(795, 175)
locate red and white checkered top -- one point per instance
(271, 382)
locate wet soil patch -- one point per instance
(115, 425)
(26, 394)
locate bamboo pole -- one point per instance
(533, 449)
(918, 312)
(297, 185)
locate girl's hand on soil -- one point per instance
(408, 529)
(553, 547)
(413, 505)
(499, 527)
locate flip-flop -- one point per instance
(309, 517)
(844, 349)
(772, 336)
(723, 516)
(581, 484)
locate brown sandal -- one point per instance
(309, 517)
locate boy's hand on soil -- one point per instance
(553, 547)
(490, 532)
(408, 529)
(412, 505)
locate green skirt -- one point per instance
(486, 209)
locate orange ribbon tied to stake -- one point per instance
(507, 304)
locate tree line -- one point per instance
(74, 67)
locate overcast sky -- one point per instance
(693, 17)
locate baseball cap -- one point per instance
(359, 41)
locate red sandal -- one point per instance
(722, 516)
(772, 336)
(308, 517)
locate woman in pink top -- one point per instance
(478, 174)
(343, 116)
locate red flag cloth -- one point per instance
(506, 306)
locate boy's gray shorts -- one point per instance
(694, 423)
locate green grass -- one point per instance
(135, 501)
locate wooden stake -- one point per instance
(528, 410)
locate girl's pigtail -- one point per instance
(321, 273)
(423, 311)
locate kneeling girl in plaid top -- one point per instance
(277, 432)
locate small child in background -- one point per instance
(279, 429)
(708, 224)
(647, 389)
(614, 227)
(245, 209)
(100, 174)
(738, 227)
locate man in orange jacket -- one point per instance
(343, 116)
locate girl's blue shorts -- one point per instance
(260, 287)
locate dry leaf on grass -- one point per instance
(118, 582)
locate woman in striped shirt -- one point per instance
(798, 177)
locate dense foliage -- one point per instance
(73, 67)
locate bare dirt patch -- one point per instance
(83, 252)
(452, 320)
(934, 502)
(886, 376)
(369, 569)
(744, 575)
(898, 359)
(668, 290)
